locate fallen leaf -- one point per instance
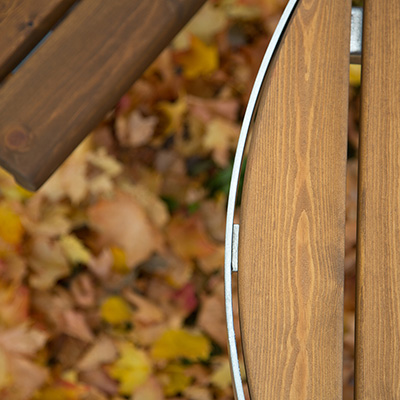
(119, 260)
(11, 229)
(27, 378)
(74, 250)
(48, 263)
(212, 318)
(150, 390)
(104, 162)
(132, 369)
(188, 237)
(122, 222)
(135, 130)
(221, 138)
(207, 22)
(75, 325)
(83, 290)
(174, 113)
(222, 376)
(14, 305)
(103, 351)
(145, 311)
(174, 379)
(23, 340)
(179, 343)
(115, 310)
(201, 59)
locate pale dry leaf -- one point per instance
(156, 209)
(197, 393)
(27, 378)
(104, 162)
(23, 340)
(83, 290)
(101, 265)
(151, 390)
(146, 312)
(75, 325)
(135, 129)
(211, 318)
(208, 21)
(99, 379)
(48, 263)
(52, 220)
(103, 351)
(207, 109)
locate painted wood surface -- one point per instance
(291, 246)
(22, 24)
(65, 88)
(378, 264)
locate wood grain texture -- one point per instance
(64, 89)
(22, 24)
(378, 258)
(291, 246)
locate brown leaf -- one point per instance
(122, 222)
(188, 237)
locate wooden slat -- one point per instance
(22, 24)
(65, 88)
(378, 265)
(291, 246)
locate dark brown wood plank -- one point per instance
(291, 246)
(22, 24)
(65, 88)
(378, 264)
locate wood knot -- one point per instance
(17, 139)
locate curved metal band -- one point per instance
(250, 111)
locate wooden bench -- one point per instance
(93, 52)
(292, 223)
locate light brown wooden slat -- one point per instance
(378, 264)
(65, 88)
(22, 24)
(291, 246)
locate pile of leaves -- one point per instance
(111, 275)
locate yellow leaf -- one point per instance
(132, 369)
(11, 230)
(201, 59)
(222, 376)
(220, 138)
(74, 250)
(181, 344)
(119, 258)
(355, 75)
(174, 113)
(175, 379)
(5, 376)
(115, 310)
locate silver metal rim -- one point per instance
(237, 164)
